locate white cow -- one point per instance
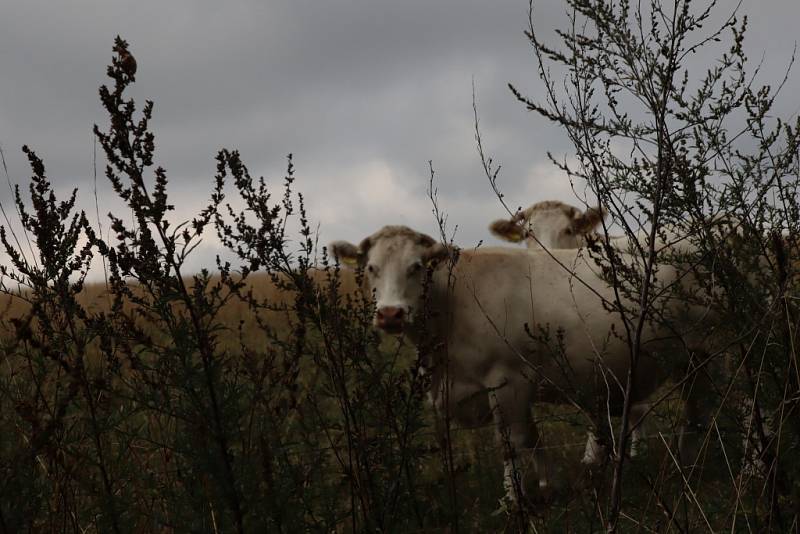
(474, 310)
(552, 224)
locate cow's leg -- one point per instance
(638, 412)
(467, 406)
(443, 416)
(595, 451)
(518, 436)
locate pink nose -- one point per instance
(390, 317)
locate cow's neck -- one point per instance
(429, 332)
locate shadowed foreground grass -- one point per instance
(294, 452)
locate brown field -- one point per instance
(95, 298)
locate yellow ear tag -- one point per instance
(350, 261)
(514, 237)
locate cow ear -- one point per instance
(507, 230)
(346, 253)
(586, 222)
(435, 254)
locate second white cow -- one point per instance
(550, 224)
(554, 225)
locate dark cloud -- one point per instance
(364, 93)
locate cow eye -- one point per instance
(568, 231)
(414, 268)
(371, 269)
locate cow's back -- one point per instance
(517, 313)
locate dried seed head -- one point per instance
(128, 63)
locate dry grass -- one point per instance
(96, 298)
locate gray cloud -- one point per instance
(364, 93)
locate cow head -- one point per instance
(396, 261)
(554, 224)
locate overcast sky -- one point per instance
(363, 93)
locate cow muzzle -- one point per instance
(390, 318)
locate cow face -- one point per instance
(396, 261)
(549, 224)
